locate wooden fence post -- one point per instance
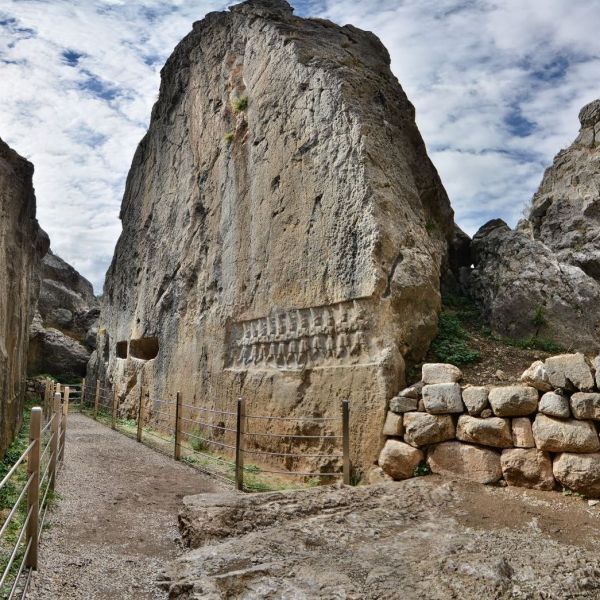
(33, 492)
(177, 426)
(113, 423)
(140, 411)
(81, 399)
(65, 412)
(240, 430)
(54, 440)
(346, 440)
(97, 399)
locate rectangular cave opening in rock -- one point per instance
(122, 349)
(144, 348)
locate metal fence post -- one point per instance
(97, 399)
(33, 493)
(140, 412)
(65, 412)
(113, 423)
(240, 430)
(346, 440)
(54, 441)
(81, 399)
(177, 426)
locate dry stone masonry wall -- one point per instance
(541, 434)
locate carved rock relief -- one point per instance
(301, 338)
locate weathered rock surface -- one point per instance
(522, 434)
(542, 279)
(400, 404)
(440, 373)
(467, 462)
(487, 432)
(283, 228)
(569, 371)
(422, 429)
(419, 539)
(442, 398)
(399, 460)
(559, 435)
(555, 405)
(527, 468)
(537, 377)
(579, 472)
(475, 399)
(513, 400)
(586, 406)
(22, 246)
(393, 424)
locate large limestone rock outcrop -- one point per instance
(63, 333)
(543, 279)
(22, 246)
(283, 228)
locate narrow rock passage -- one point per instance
(115, 525)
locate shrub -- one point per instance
(240, 104)
(451, 344)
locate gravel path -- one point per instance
(114, 527)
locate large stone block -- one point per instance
(440, 373)
(579, 472)
(403, 404)
(442, 398)
(555, 405)
(399, 460)
(487, 432)
(465, 461)
(513, 400)
(586, 405)
(537, 377)
(296, 261)
(521, 433)
(527, 468)
(559, 435)
(570, 371)
(422, 429)
(393, 425)
(475, 399)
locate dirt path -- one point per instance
(115, 526)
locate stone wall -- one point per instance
(22, 246)
(283, 228)
(542, 433)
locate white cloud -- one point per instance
(497, 87)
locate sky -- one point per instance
(497, 86)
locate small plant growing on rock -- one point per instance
(422, 469)
(539, 320)
(228, 137)
(240, 104)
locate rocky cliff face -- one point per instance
(543, 279)
(63, 333)
(22, 246)
(283, 228)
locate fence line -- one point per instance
(218, 441)
(41, 459)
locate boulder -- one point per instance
(272, 231)
(558, 435)
(465, 461)
(513, 400)
(475, 399)
(528, 468)
(522, 434)
(586, 405)
(555, 405)
(393, 425)
(440, 373)
(377, 475)
(570, 372)
(402, 404)
(537, 377)
(442, 398)
(579, 472)
(422, 429)
(399, 460)
(487, 432)
(413, 391)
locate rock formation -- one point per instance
(22, 246)
(283, 228)
(543, 279)
(63, 333)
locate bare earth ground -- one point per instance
(115, 525)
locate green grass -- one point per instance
(452, 342)
(240, 104)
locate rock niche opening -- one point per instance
(122, 349)
(144, 348)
